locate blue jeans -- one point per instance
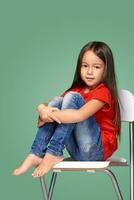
(82, 140)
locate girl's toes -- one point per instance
(15, 172)
(41, 174)
(36, 173)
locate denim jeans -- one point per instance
(82, 140)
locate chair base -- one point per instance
(48, 195)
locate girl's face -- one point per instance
(92, 69)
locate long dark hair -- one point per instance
(103, 51)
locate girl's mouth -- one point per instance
(89, 78)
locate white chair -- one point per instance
(126, 100)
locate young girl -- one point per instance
(85, 119)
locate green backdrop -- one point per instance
(39, 44)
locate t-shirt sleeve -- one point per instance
(103, 94)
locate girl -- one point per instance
(85, 119)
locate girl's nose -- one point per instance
(89, 70)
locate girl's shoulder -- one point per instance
(102, 89)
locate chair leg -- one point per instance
(131, 128)
(52, 185)
(115, 183)
(48, 195)
(44, 188)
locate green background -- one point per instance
(39, 44)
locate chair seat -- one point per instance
(70, 165)
(81, 166)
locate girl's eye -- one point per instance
(83, 65)
(97, 66)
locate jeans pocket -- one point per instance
(95, 153)
(91, 152)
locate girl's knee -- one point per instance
(71, 100)
(56, 102)
(73, 96)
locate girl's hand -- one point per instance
(47, 118)
(40, 122)
(45, 113)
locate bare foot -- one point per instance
(47, 163)
(30, 160)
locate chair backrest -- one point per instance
(126, 101)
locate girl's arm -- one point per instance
(77, 115)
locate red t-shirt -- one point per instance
(104, 117)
